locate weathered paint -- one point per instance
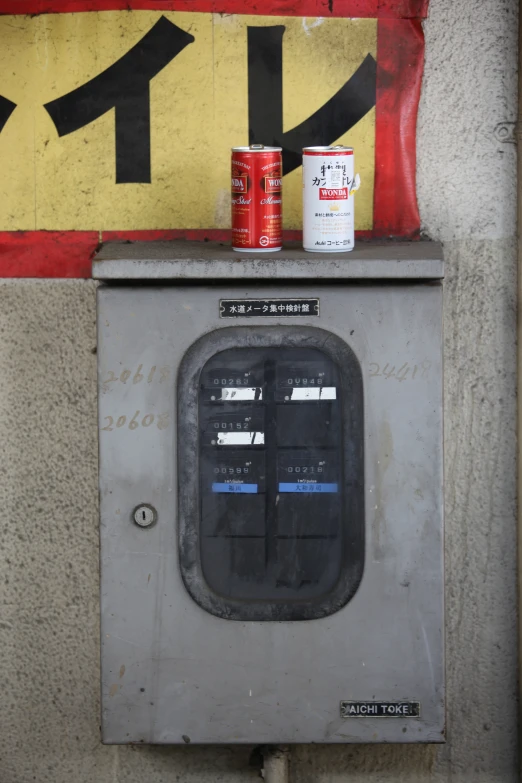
(68, 182)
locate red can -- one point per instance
(257, 221)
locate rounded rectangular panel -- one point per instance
(271, 490)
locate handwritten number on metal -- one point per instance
(265, 100)
(402, 374)
(124, 86)
(162, 421)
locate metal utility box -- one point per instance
(271, 494)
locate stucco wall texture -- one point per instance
(49, 637)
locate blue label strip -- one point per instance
(308, 487)
(250, 489)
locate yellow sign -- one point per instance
(148, 106)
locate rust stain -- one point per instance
(113, 690)
(122, 670)
(385, 453)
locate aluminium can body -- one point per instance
(328, 202)
(257, 221)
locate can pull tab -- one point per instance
(257, 147)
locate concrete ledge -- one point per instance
(184, 260)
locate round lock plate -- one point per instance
(144, 515)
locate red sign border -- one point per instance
(357, 9)
(400, 57)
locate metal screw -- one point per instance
(144, 515)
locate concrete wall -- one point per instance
(49, 542)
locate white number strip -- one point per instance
(232, 394)
(240, 438)
(316, 393)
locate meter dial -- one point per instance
(234, 429)
(232, 384)
(226, 472)
(313, 472)
(306, 382)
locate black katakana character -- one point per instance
(265, 100)
(124, 86)
(7, 107)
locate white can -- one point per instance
(328, 187)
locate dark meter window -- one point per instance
(271, 474)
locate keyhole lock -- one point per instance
(144, 515)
